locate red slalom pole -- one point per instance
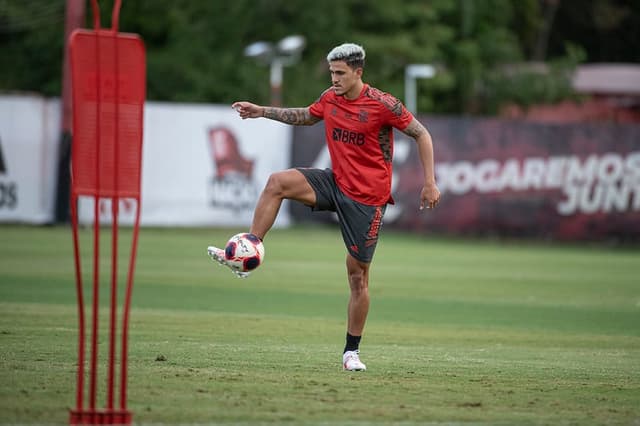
(108, 70)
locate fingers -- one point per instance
(430, 204)
(238, 106)
(242, 108)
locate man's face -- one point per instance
(344, 78)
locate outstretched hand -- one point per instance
(429, 196)
(247, 109)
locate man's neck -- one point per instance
(354, 92)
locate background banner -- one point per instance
(511, 178)
(29, 132)
(202, 166)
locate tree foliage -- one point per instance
(195, 47)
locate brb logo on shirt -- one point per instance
(347, 136)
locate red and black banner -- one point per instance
(511, 178)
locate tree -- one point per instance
(195, 47)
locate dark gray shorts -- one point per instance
(359, 223)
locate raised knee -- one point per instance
(274, 185)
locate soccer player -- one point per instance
(359, 121)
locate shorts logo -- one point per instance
(347, 136)
(376, 222)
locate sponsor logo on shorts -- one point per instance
(376, 222)
(374, 228)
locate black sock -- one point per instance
(353, 342)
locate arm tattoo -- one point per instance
(296, 116)
(414, 129)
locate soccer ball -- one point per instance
(244, 252)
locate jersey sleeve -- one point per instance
(317, 108)
(398, 116)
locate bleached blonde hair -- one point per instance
(352, 54)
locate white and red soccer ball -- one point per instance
(244, 252)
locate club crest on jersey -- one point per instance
(347, 136)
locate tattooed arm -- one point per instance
(430, 195)
(295, 116)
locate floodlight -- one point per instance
(292, 45)
(260, 50)
(420, 71)
(285, 53)
(411, 73)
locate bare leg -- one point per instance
(358, 308)
(288, 184)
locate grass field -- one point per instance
(481, 332)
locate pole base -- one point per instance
(100, 417)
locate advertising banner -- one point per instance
(512, 178)
(29, 132)
(202, 166)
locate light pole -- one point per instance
(411, 73)
(285, 53)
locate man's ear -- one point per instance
(359, 71)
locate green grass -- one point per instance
(459, 331)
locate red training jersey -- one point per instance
(359, 135)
